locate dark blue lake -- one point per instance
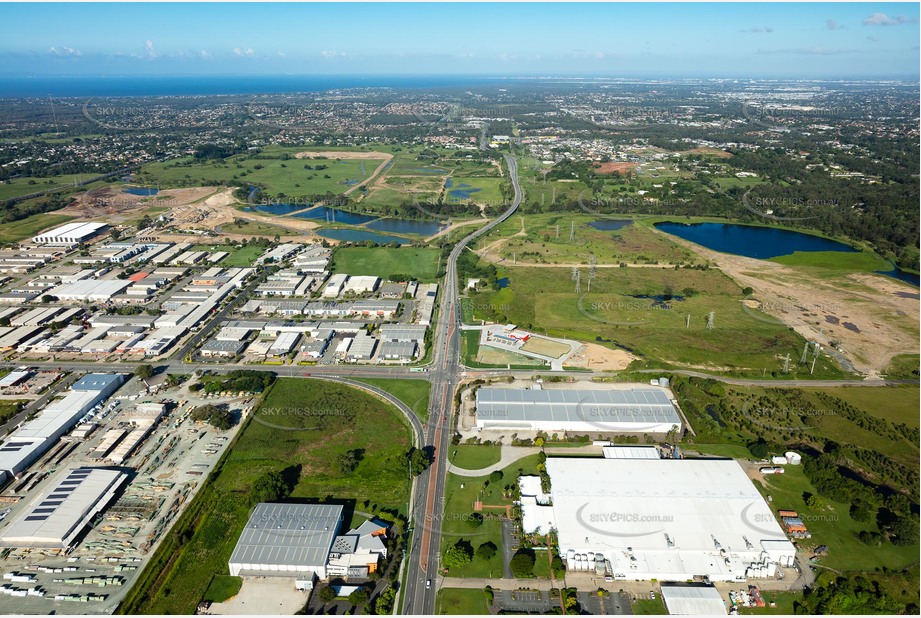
(142, 191)
(361, 235)
(276, 208)
(334, 215)
(503, 282)
(407, 226)
(751, 241)
(609, 225)
(901, 275)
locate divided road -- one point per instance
(423, 557)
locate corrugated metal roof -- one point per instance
(288, 534)
(638, 405)
(693, 600)
(59, 514)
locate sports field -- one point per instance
(545, 347)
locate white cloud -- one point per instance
(282, 54)
(332, 54)
(881, 19)
(205, 54)
(149, 50)
(64, 52)
(872, 39)
(764, 29)
(831, 24)
(244, 52)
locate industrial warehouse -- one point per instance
(56, 518)
(70, 234)
(663, 519)
(637, 409)
(30, 441)
(302, 541)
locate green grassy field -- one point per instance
(901, 402)
(414, 393)
(622, 311)
(649, 607)
(299, 429)
(459, 507)
(223, 588)
(461, 601)
(543, 243)
(16, 187)
(30, 226)
(383, 261)
(239, 256)
(270, 169)
(903, 366)
(475, 456)
(834, 261)
(488, 190)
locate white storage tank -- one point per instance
(794, 459)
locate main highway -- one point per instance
(422, 560)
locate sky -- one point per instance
(860, 40)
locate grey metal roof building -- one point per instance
(635, 410)
(286, 539)
(398, 350)
(403, 332)
(58, 516)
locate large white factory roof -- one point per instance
(598, 410)
(664, 518)
(91, 289)
(70, 232)
(56, 517)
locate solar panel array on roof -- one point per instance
(55, 518)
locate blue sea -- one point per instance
(182, 85)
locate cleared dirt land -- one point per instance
(599, 358)
(871, 317)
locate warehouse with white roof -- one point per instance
(56, 518)
(32, 439)
(70, 234)
(286, 540)
(665, 519)
(634, 410)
